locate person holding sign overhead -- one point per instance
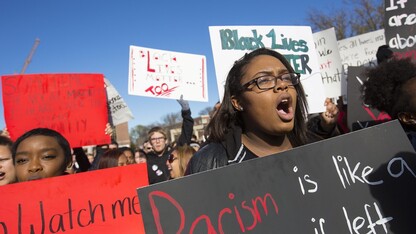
(263, 112)
(41, 153)
(157, 168)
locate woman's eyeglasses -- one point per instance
(267, 82)
(172, 158)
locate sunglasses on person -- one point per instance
(172, 158)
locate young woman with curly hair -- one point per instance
(391, 87)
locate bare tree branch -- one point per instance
(365, 16)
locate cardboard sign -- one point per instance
(360, 50)
(230, 43)
(167, 74)
(101, 201)
(400, 26)
(73, 104)
(330, 65)
(360, 182)
(120, 112)
(359, 114)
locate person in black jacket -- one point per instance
(263, 112)
(391, 87)
(156, 160)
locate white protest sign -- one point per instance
(167, 74)
(120, 112)
(360, 50)
(229, 43)
(330, 63)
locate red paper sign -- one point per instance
(101, 201)
(73, 104)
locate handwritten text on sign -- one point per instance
(230, 43)
(102, 201)
(73, 104)
(330, 63)
(361, 49)
(120, 112)
(167, 74)
(400, 25)
(341, 185)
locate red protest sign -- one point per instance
(101, 201)
(73, 104)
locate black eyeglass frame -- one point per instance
(157, 139)
(295, 79)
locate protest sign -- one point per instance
(230, 43)
(101, 201)
(360, 115)
(120, 112)
(167, 74)
(73, 104)
(360, 50)
(400, 26)
(330, 63)
(360, 182)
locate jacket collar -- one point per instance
(232, 142)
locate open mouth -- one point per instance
(283, 106)
(285, 109)
(2, 174)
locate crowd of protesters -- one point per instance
(263, 112)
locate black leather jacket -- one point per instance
(231, 150)
(214, 155)
(211, 156)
